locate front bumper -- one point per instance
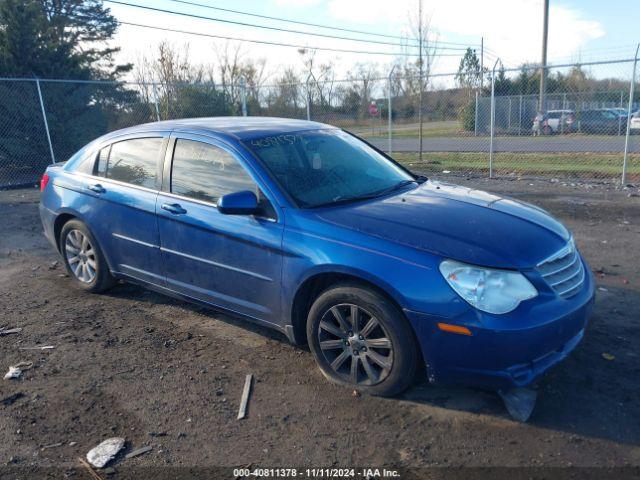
(509, 350)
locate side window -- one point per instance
(205, 172)
(86, 164)
(103, 157)
(132, 161)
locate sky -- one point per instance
(579, 30)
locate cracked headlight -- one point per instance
(487, 289)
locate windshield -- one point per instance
(324, 167)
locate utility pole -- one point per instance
(543, 69)
(481, 62)
(420, 75)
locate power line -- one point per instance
(308, 24)
(265, 27)
(279, 44)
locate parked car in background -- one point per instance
(602, 120)
(554, 121)
(307, 229)
(622, 119)
(622, 112)
(635, 122)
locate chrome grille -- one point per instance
(563, 271)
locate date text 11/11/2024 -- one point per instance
(368, 473)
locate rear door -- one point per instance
(233, 261)
(122, 190)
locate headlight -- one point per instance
(487, 289)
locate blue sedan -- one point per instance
(307, 229)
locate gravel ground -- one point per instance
(166, 374)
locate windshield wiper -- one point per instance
(355, 198)
(421, 179)
(390, 189)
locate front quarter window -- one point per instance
(323, 167)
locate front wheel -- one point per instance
(361, 340)
(83, 258)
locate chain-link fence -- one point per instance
(579, 131)
(497, 126)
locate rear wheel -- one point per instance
(361, 340)
(83, 258)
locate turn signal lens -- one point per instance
(447, 327)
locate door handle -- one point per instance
(174, 208)
(97, 188)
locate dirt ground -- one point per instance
(169, 375)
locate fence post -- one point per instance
(520, 116)
(620, 116)
(389, 92)
(243, 95)
(493, 116)
(475, 119)
(155, 100)
(629, 108)
(308, 97)
(46, 124)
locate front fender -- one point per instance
(351, 271)
(412, 279)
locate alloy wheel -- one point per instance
(81, 256)
(355, 344)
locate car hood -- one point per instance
(459, 223)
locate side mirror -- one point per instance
(238, 203)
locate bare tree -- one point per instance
(162, 73)
(234, 68)
(363, 81)
(286, 97)
(319, 78)
(422, 37)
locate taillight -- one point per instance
(43, 182)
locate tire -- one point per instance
(84, 259)
(384, 352)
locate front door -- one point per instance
(233, 261)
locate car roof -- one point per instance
(239, 128)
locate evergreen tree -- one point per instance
(56, 39)
(469, 74)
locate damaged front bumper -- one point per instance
(505, 351)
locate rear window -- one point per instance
(103, 157)
(85, 165)
(82, 160)
(132, 161)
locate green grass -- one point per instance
(597, 165)
(450, 128)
